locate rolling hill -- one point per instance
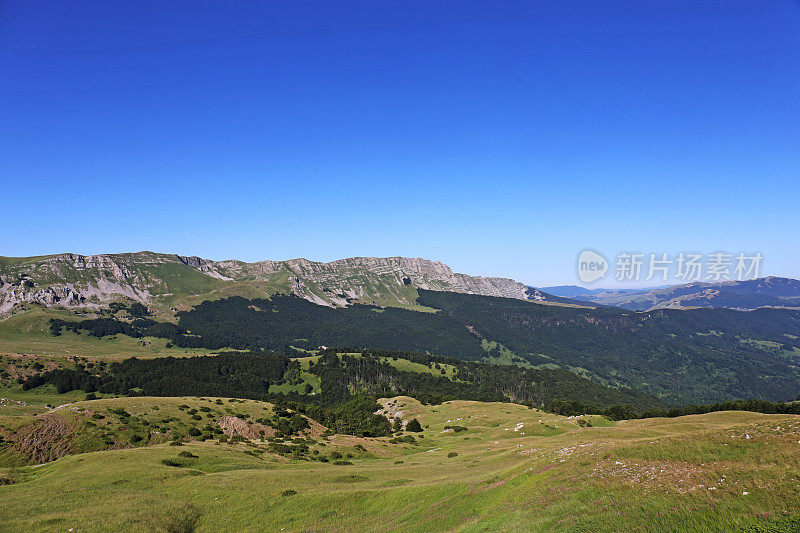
(475, 466)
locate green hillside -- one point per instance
(509, 469)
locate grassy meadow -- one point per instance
(511, 469)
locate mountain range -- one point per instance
(174, 282)
(171, 282)
(746, 294)
(674, 343)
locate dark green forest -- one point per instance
(352, 382)
(681, 356)
(344, 376)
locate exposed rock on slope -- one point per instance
(93, 281)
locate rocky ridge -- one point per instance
(92, 281)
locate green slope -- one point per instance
(724, 471)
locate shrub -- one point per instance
(452, 454)
(341, 462)
(187, 454)
(136, 438)
(414, 425)
(91, 396)
(289, 492)
(194, 432)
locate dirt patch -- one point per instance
(232, 425)
(47, 439)
(315, 429)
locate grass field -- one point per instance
(512, 469)
(29, 333)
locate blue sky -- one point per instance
(500, 138)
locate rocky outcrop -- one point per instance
(368, 278)
(232, 426)
(93, 281)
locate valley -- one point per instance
(190, 395)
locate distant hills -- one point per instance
(747, 294)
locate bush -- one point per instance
(189, 455)
(194, 432)
(414, 425)
(341, 462)
(136, 438)
(452, 454)
(91, 396)
(289, 492)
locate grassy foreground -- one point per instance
(511, 469)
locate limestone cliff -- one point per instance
(92, 281)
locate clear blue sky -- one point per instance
(499, 137)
